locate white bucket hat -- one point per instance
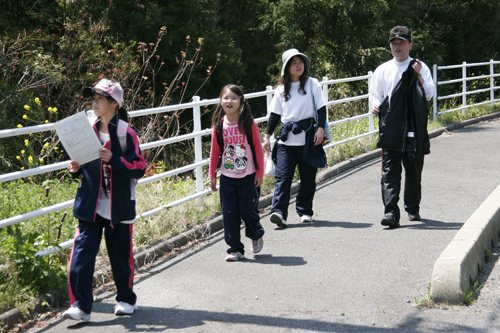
(289, 54)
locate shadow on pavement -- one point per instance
(154, 319)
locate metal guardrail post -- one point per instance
(464, 87)
(435, 95)
(198, 154)
(269, 98)
(371, 118)
(492, 83)
(325, 96)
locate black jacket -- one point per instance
(407, 108)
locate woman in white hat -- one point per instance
(299, 142)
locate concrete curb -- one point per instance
(12, 317)
(461, 260)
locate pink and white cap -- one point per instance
(106, 88)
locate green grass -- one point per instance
(470, 296)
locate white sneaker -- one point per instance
(278, 220)
(235, 256)
(123, 308)
(76, 314)
(257, 245)
(306, 218)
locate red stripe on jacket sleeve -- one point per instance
(139, 162)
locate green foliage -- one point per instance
(24, 274)
(39, 274)
(470, 295)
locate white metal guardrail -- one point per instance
(464, 79)
(197, 134)
(197, 166)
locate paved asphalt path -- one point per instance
(342, 273)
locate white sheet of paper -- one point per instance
(78, 138)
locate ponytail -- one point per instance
(123, 114)
(245, 121)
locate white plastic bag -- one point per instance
(269, 168)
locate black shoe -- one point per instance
(390, 221)
(414, 216)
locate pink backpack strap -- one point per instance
(121, 131)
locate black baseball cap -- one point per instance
(400, 32)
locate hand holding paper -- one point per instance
(78, 138)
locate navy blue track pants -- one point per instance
(83, 255)
(239, 200)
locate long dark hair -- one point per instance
(245, 119)
(285, 79)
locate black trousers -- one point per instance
(392, 162)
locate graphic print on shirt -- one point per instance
(229, 157)
(241, 163)
(106, 173)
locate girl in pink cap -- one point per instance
(106, 200)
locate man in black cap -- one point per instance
(399, 91)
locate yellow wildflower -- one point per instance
(26, 107)
(25, 117)
(22, 168)
(46, 121)
(56, 148)
(18, 157)
(42, 151)
(26, 142)
(19, 126)
(50, 109)
(46, 145)
(37, 101)
(54, 110)
(30, 159)
(41, 160)
(23, 151)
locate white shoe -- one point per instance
(123, 308)
(235, 256)
(278, 220)
(257, 245)
(306, 218)
(76, 314)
